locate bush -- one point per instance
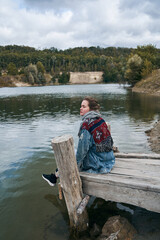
(33, 76)
(11, 68)
(63, 78)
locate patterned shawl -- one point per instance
(95, 124)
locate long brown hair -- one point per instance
(92, 103)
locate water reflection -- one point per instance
(27, 208)
(29, 119)
(142, 107)
(137, 106)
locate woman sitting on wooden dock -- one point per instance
(95, 146)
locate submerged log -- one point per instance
(70, 181)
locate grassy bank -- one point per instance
(150, 85)
(19, 81)
(12, 81)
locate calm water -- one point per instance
(29, 118)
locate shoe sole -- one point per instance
(51, 184)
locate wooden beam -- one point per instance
(83, 204)
(70, 181)
(138, 155)
(119, 193)
(140, 182)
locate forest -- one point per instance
(119, 65)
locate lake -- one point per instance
(29, 118)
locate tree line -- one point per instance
(118, 64)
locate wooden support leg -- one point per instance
(70, 180)
(83, 204)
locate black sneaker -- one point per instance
(51, 179)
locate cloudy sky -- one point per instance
(74, 23)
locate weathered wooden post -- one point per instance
(70, 181)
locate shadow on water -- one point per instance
(145, 222)
(53, 225)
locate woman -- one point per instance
(94, 152)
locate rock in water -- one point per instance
(95, 231)
(118, 228)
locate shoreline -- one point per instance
(24, 84)
(154, 137)
(146, 91)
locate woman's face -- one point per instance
(84, 107)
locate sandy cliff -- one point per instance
(85, 77)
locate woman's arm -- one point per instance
(84, 145)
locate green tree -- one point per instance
(147, 68)
(31, 74)
(148, 52)
(30, 78)
(11, 68)
(110, 73)
(134, 68)
(40, 67)
(63, 78)
(21, 70)
(41, 78)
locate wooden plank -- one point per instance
(138, 155)
(141, 183)
(133, 165)
(141, 160)
(135, 172)
(117, 193)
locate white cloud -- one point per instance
(66, 24)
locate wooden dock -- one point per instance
(135, 179)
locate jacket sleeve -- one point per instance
(84, 145)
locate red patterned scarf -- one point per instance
(99, 130)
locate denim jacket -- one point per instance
(88, 159)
